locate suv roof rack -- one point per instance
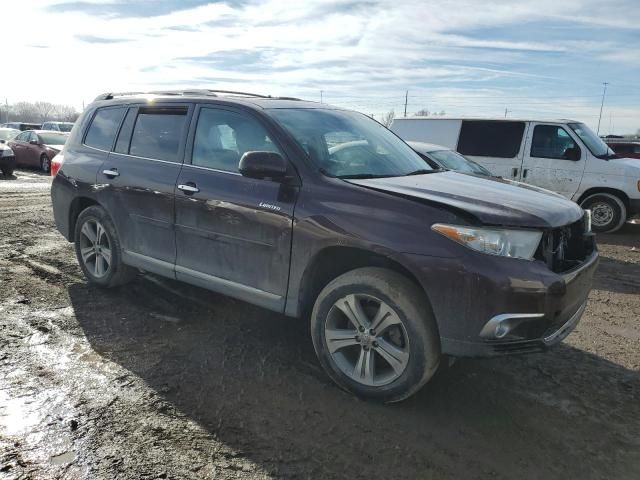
(194, 91)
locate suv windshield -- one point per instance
(593, 142)
(349, 144)
(52, 138)
(454, 161)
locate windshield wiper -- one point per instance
(357, 176)
(424, 171)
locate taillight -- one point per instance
(56, 163)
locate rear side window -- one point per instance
(157, 133)
(490, 138)
(103, 128)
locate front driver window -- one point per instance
(551, 141)
(222, 137)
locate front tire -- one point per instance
(375, 335)
(98, 249)
(7, 170)
(45, 163)
(608, 212)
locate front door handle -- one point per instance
(524, 173)
(514, 172)
(111, 173)
(189, 188)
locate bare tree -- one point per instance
(45, 110)
(387, 118)
(24, 112)
(65, 113)
(39, 112)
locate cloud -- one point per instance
(95, 39)
(529, 56)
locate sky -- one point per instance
(525, 59)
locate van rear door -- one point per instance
(553, 159)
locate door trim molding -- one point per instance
(150, 264)
(223, 286)
(232, 289)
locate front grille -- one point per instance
(565, 248)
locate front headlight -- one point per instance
(503, 242)
(6, 152)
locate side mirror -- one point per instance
(34, 142)
(263, 165)
(572, 153)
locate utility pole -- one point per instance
(320, 96)
(604, 91)
(505, 112)
(406, 99)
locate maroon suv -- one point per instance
(323, 214)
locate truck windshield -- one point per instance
(593, 142)
(350, 145)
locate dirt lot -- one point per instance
(162, 380)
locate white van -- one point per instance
(560, 155)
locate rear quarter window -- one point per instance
(104, 127)
(490, 138)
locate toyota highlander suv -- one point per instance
(323, 214)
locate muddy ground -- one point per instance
(163, 380)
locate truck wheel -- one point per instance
(98, 249)
(7, 170)
(374, 334)
(608, 212)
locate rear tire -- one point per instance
(608, 212)
(45, 163)
(7, 170)
(388, 346)
(98, 249)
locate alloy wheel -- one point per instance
(367, 339)
(95, 248)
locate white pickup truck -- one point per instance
(564, 156)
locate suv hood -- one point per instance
(492, 201)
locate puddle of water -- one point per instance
(66, 457)
(21, 414)
(21, 186)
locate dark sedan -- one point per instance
(36, 148)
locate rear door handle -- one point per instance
(514, 172)
(111, 173)
(189, 188)
(524, 173)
